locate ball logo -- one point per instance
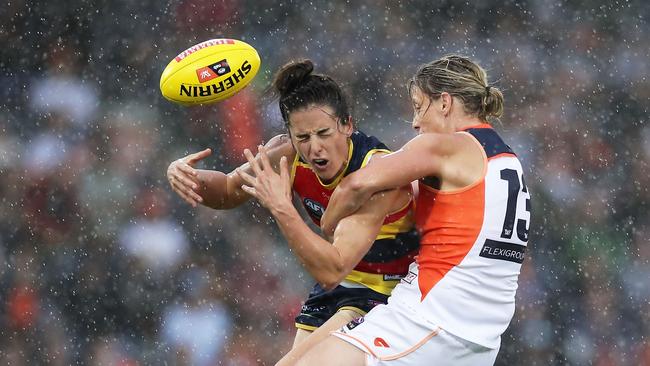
(314, 208)
(213, 71)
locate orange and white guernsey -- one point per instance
(387, 261)
(472, 246)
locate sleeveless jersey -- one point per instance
(394, 249)
(472, 245)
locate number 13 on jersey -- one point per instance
(510, 237)
(514, 189)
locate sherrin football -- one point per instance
(210, 71)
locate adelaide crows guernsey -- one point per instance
(396, 245)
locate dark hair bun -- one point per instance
(296, 86)
(292, 75)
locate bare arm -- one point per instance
(425, 155)
(216, 189)
(327, 262)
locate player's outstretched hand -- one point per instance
(271, 189)
(183, 178)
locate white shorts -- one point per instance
(390, 335)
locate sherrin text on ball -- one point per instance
(209, 72)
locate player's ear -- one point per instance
(446, 101)
(348, 128)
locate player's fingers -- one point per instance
(253, 162)
(179, 187)
(196, 157)
(284, 169)
(249, 190)
(182, 193)
(188, 187)
(191, 192)
(186, 180)
(266, 163)
(246, 177)
(187, 169)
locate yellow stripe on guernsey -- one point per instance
(309, 328)
(353, 308)
(378, 282)
(372, 152)
(389, 231)
(373, 281)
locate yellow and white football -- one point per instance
(210, 71)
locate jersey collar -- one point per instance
(480, 125)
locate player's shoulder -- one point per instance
(280, 145)
(366, 142)
(364, 147)
(278, 141)
(491, 142)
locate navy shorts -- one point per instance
(321, 304)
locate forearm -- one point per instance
(321, 259)
(346, 199)
(218, 191)
(414, 161)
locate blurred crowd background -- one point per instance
(101, 264)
